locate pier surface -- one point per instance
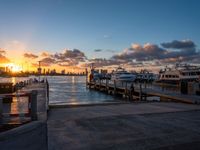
(125, 127)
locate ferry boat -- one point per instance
(179, 73)
(120, 74)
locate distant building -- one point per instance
(39, 70)
(63, 72)
(2, 69)
(53, 71)
(44, 71)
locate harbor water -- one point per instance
(68, 89)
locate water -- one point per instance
(72, 89)
(69, 89)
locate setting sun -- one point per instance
(13, 67)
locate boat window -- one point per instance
(193, 73)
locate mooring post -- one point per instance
(47, 93)
(1, 110)
(131, 91)
(126, 90)
(106, 84)
(114, 87)
(140, 94)
(99, 84)
(33, 105)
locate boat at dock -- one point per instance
(179, 73)
(120, 74)
(145, 76)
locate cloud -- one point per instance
(2, 51)
(110, 50)
(100, 62)
(45, 54)
(66, 58)
(184, 44)
(141, 53)
(30, 56)
(98, 50)
(70, 54)
(3, 59)
(47, 61)
(185, 51)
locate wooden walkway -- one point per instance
(142, 93)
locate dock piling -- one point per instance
(140, 93)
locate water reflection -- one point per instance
(72, 89)
(13, 80)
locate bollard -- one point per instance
(33, 97)
(1, 110)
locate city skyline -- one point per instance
(71, 34)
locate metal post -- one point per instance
(1, 110)
(33, 105)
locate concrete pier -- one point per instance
(125, 127)
(33, 135)
(120, 125)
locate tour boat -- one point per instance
(179, 73)
(121, 74)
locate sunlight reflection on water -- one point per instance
(72, 89)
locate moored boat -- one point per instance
(120, 74)
(179, 73)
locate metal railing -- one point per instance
(32, 105)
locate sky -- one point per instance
(107, 32)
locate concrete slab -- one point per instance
(125, 126)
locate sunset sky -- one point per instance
(72, 33)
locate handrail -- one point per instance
(32, 107)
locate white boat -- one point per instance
(121, 74)
(145, 76)
(179, 73)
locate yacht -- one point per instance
(120, 74)
(145, 76)
(179, 73)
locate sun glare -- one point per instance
(13, 67)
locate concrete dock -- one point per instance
(118, 126)
(125, 127)
(33, 135)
